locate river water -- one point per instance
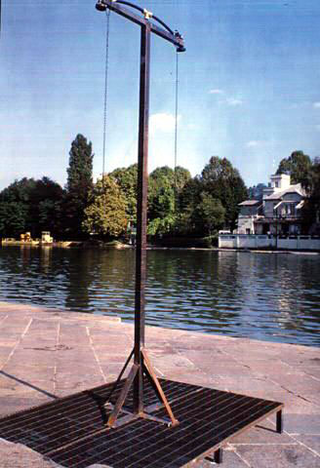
(273, 297)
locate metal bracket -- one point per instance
(147, 14)
(147, 370)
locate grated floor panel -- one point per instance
(72, 432)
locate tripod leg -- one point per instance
(119, 378)
(148, 369)
(123, 395)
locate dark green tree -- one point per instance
(19, 190)
(45, 209)
(223, 182)
(161, 201)
(189, 221)
(212, 213)
(105, 215)
(79, 184)
(126, 178)
(298, 166)
(161, 193)
(256, 192)
(311, 209)
(31, 205)
(13, 218)
(181, 177)
(165, 187)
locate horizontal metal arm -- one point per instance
(124, 2)
(114, 5)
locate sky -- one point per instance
(248, 85)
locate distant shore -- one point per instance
(66, 244)
(121, 245)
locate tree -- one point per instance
(79, 184)
(50, 217)
(165, 187)
(19, 190)
(223, 182)
(45, 209)
(189, 220)
(297, 165)
(13, 218)
(126, 179)
(181, 177)
(14, 208)
(106, 213)
(256, 192)
(161, 202)
(80, 167)
(311, 209)
(211, 212)
(31, 205)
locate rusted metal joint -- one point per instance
(100, 6)
(147, 14)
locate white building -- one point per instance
(280, 210)
(250, 211)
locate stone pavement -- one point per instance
(48, 353)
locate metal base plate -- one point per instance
(72, 431)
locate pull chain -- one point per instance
(176, 132)
(105, 93)
(176, 113)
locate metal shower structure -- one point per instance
(84, 428)
(142, 365)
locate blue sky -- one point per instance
(248, 85)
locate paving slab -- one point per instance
(20, 456)
(277, 456)
(46, 354)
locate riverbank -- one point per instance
(269, 242)
(65, 244)
(46, 354)
(269, 251)
(122, 246)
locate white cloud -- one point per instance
(318, 127)
(316, 105)
(162, 122)
(254, 143)
(225, 99)
(216, 91)
(234, 102)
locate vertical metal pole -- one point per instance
(141, 265)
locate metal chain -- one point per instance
(176, 132)
(105, 93)
(176, 112)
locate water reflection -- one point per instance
(262, 296)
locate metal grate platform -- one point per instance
(71, 431)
